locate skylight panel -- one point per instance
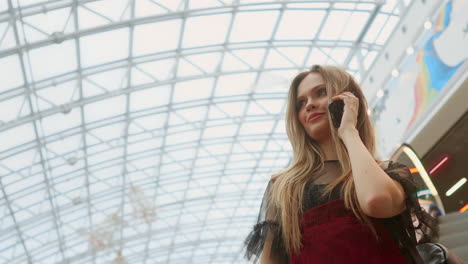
(49, 255)
(203, 162)
(12, 249)
(295, 55)
(253, 57)
(277, 59)
(220, 131)
(273, 106)
(46, 62)
(13, 108)
(66, 169)
(205, 30)
(61, 122)
(216, 113)
(182, 154)
(109, 80)
(300, 24)
(253, 26)
(31, 201)
(149, 98)
(255, 110)
(339, 55)
(60, 147)
(23, 187)
(114, 10)
(90, 88)
(19, 161)
(369, 59)
(171, 5)
(193, 90)
(24, 3)
(274, 81)
(375, 28)
(151, 122)
(354, 63)
(156, 37)
(104, 133)
(52, 21)
(254, 1)
(16, 136)
(250, 146)
(233, 109)
(105, 108)
(11, 76)
(387, 30)
(207, 62)
(317, 56)
(60, 94)
(7, 38)
(195, 193)
(193, 114)
(153, 71)
(207, 3)
(3, 6)
(187, 68)
(389, 6)
(349, 6)
(218, 149)
(148, 7)
(365, 6)
(354, 26)
(88, 19)
(258, 127)
(177, 123)
(104, 47)
(235, 84)
(204, 169)
(144, 166)
(335, 24)
(232, 63)
(183, 137)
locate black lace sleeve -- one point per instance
(266, 231)
(401, 227)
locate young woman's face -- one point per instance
(312, 100)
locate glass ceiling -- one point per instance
(145, 131)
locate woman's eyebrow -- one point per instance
(313, 89)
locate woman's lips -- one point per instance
(315, 117)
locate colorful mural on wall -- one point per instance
(439, 54)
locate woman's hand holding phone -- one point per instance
(344, 109)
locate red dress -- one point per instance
(332, 234)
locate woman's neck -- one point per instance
(328, 149)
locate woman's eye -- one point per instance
(322, 91)
(300, 104)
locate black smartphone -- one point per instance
(336, 109)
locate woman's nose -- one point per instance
(310, 105)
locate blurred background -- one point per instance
(145, 131)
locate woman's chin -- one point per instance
(318, 136)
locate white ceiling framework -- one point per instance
(144, 131)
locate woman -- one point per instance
(335, 202)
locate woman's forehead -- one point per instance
(310, 82)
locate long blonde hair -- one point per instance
(288, 190)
